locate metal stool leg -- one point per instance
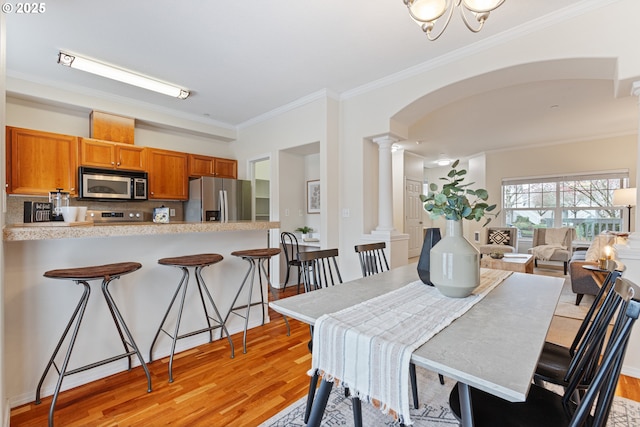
(122, 326)
(177, 328)
(77, 316)
(232, 310)
(164, 318)
(218, 318)
(200, 283)
(264, 270)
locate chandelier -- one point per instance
(427, 12)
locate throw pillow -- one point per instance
(500, 237)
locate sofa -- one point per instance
(582, 281)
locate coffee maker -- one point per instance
(58, 200)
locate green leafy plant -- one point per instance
(304, 230)
(453, 202)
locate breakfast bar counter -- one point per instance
(43, 231)
(33, 303)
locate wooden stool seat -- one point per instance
(257, 253)
(95, 272)
(214, 319)
(200, 260)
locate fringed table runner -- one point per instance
(368, 347)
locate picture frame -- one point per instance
(313, 196)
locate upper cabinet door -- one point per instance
(168, 178)
(39, 162)
(226, 168)
(200, 166)
(111, 155)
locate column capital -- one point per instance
(385, 141)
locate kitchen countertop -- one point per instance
(18, 232)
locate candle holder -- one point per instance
(602, 263)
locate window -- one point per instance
(581, 201)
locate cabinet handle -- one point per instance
(113, 163)
(118, 164)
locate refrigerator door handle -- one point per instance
(224, 208)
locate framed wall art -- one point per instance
(313, 196)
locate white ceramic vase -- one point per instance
(455, 263)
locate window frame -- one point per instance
(556, 202)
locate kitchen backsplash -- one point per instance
(15, 207)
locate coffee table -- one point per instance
(522, 263)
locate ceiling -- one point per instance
(245, 59)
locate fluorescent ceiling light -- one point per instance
(115, 73)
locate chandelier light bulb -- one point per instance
(426, 12)
(480, 6)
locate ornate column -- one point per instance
(385, 183)
(397, 243)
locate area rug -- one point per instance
(434, 409)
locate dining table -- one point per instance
(493, 347)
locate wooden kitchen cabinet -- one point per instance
(168, 174)
(39, 162)
(200, 165)
(225, 168)
(111, 155)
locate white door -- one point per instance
(413, 216)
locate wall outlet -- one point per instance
(345, 213)
(476, 236)
(286, 212)
(172, 212)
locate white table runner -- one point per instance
(368, 347)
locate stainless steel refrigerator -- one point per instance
(218, 199)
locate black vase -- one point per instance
(431, 237)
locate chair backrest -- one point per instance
(602, 389)
(289, 246)
(319, 269)
(597, 305)
(539, 237)
(372, 258)
(591, 336)
(502, 236)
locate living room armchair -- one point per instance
(500, 239)
(553, 244)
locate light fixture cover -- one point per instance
(624, 197)
(121, 75)
(428, 10)
(482, 6)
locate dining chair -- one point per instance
(320, 270)
(557, 361)
(291, 250)
(373, 261)
(545, 407)
(372, 258)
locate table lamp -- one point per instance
(625, 197)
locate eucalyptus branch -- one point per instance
(453, 202)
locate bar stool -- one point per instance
(83, 275)
(256, 259)
(199, 262)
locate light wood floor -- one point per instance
(209, 388)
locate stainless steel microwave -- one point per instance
(110, 184)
